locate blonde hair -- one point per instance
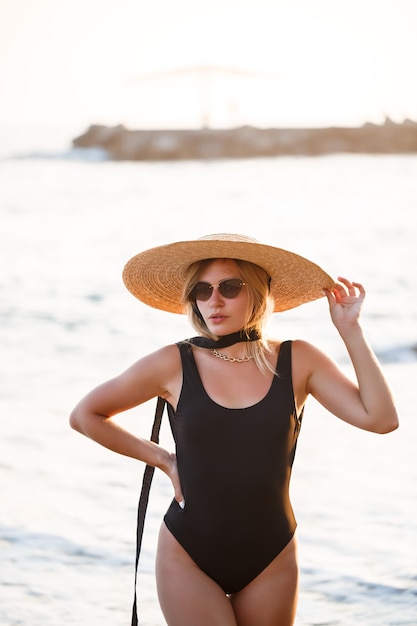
(260, 307)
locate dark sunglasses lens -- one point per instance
(201, 291)
(230, 288)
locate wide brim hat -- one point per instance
(156, 276)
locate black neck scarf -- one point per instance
(226, 340)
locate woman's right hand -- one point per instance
(172, 472)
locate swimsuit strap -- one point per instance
(143, 499)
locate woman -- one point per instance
(227, 551)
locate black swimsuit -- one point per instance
(235, 468)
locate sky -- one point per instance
(135, 62)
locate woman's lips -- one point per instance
(216, 319)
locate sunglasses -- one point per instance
(229, 288)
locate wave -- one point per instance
(360, 598)
(49, 547)
(90, 155)
(398, 354)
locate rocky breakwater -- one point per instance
(246, 142)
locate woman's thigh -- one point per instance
(271, 598)
(187, 596)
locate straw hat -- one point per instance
(156, 276)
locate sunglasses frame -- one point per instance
(193, 297)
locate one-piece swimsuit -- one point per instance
(235, 468)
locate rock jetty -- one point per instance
(120, 143)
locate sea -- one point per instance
(69, 221)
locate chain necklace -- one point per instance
(231, 359)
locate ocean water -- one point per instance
(68, 223)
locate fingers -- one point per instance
(179, 498)
(345, 302)
(345, 287)
(178, 495)
(360, 288)
(352, 287)
(345, 292)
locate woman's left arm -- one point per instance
(368, 404)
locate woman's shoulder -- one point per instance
(298, 347)
(166, 354)
(161, 361)
(307, 357)
(306, 348)
(295, 345)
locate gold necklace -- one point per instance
(232, 359)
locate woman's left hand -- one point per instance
(345, 302)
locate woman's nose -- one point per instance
(215, 295)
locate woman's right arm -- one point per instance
(158, 374)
